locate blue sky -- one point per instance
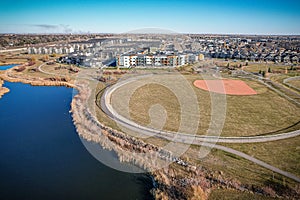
(119, 16)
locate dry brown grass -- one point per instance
(259, 114)
(223, 194)
(64, 71)
(150, 95)
(295, 83)
(101, 116)
(256, 67)
(283, 154)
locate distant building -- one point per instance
(50, 50)
(150, 60)
(201, 57)
(192, 58)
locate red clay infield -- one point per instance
(232, 87)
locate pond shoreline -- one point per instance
(3, 90)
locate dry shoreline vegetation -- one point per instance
(218, 176)
(3, 90)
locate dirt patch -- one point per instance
(230, 87)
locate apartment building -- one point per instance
(150, 60)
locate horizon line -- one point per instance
(132, 33)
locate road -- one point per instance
(12, 50)
(43, 71)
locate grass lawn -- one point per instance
(259, 114)
(34, 74)
(279, 77)
(256, 67)
(222, 194)
(64, 71)
(283, 154)
(101, 116)
(295, 83)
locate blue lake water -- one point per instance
(5, 67)
(42, 157)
